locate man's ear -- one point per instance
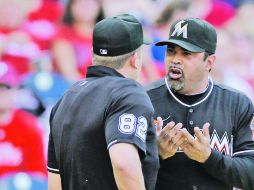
(210, 62)
(132, 61)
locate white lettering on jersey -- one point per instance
(220, 144)
(10, 155)
(252, 127)
(129, 124)
(141, 128)
(180, 30)
(103, 51)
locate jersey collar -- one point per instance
(209, 90)
(101, 71)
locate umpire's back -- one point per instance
(106, 112)
(77, 129)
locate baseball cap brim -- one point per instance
(185, 45)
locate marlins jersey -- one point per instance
(94, 114)
(230, 114)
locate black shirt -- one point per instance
(97, 112)
(230, 114)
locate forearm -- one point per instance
(127, 167)
(54, 181)
(129, 178)
(236, 171)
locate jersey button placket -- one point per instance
(189, 117)
(190, 112)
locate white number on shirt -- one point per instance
(127, 125)
(141, 128)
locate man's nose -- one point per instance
(176, 59)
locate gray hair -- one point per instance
(116, 62)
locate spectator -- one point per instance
(72, 48)
(216, 12)
(16, 45)
(21, 143)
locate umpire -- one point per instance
(101, 132)
(222, 155)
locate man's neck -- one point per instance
(197, 89)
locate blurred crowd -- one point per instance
(45, 46)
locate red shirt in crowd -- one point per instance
(21, 145)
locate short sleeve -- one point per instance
(52, 164)
(128, 119)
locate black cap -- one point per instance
(117, 35)
(192, 34)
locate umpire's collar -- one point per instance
(101, 71)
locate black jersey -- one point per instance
(97, 112)
(230, 114)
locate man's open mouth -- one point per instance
(175, 73)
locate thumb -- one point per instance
(159, 124)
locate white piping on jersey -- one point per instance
(187, 105)
(110, 144)
(52, 169)
(242, 152)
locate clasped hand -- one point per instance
(173, 136)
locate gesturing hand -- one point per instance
(169, 138)
(199, 149)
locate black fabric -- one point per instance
(231, 163)
(189, 99)
(94, 114)
(117, 35)
(192, 34)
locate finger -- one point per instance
(175, 129)
(164, 133)
(206, 130)
(168, 128)
(173, 132)
(158, 125)
(188, 136)
(162, 137)
(179, 138)
(198, 133)
(178, 126)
